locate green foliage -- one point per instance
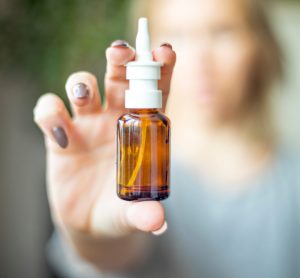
(49, 39)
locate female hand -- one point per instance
(81, 152)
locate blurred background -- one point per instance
(41, 43)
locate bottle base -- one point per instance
(142, 193)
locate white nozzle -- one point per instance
(143, 73)
(143, 50)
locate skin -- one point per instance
(81, 178)
(216, 51)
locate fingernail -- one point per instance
(119, 43)
(161, 230)
(60, 136)
(167, 45)
(80, 90)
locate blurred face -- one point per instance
(216, 52)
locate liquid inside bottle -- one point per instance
(143, 155)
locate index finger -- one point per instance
(117, 55)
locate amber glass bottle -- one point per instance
(143, 134)
(143, 155)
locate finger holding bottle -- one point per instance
(118, 55)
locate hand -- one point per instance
(81, 151)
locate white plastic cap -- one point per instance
(143, 73)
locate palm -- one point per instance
(81, 177)
(78, 179)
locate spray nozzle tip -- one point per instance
(143, 51)
(143, 73)
(143, 23)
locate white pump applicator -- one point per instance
(143, 73)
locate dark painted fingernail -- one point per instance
(167, 45)
(80, 90)
(60, 136)
(119, 43)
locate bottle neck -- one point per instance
(143, 110)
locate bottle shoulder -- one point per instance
(165, 118)
(156, 117)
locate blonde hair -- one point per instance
(270, 60)
(268, 69)
(269, 65)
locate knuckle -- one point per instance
(117, 57)
(46, 98)
(48, 105)
(114, 76)
(80, 77)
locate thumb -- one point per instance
(119, 218)
(147, 216)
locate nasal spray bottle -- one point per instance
(143, 133)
